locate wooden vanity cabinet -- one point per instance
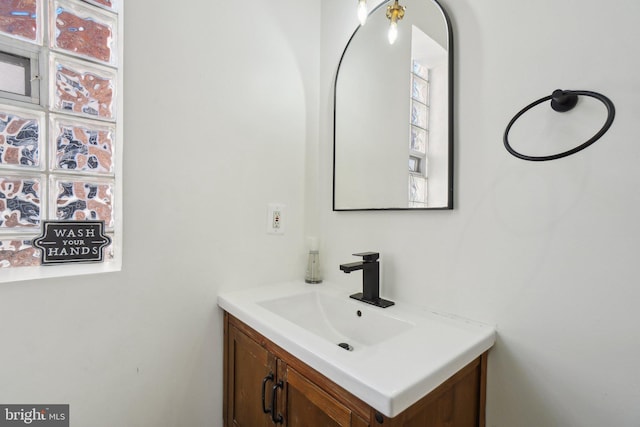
(266, 386)
(251, 366)
(258, 373)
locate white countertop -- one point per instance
(389, 376)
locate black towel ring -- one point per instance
(562, 101)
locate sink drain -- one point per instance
(346, 346)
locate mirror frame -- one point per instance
(450, 92)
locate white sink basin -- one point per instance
(400, 353)
(338, 320)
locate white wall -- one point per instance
(220, 101)
(547, 251)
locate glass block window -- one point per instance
(21, 19)
(83, 200)
(82, 146)
(18, 252)
(60, 154)
(20, 202)
(21, 137)
(419, 135)
(106, 4)
(82, 89)
(82, 30)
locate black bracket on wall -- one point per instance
(563, 101)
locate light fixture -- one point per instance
(362, 11)
(395, 12)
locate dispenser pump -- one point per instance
(313, 263)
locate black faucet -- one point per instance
(370, 279)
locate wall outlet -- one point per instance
(275, 218)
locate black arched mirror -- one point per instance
(393, 113)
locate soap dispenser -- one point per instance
(313, 263)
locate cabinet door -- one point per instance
(250, 367)
(307, 405)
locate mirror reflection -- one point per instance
(392, 113)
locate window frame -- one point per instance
(33, 80)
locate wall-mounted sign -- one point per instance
(71, 241)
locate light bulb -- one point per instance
(362, 11)
(395, 12)
(393, 32)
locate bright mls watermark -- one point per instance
(34, 415)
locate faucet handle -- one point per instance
(368, 256)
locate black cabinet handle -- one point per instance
(264, 386)
(274, 403)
